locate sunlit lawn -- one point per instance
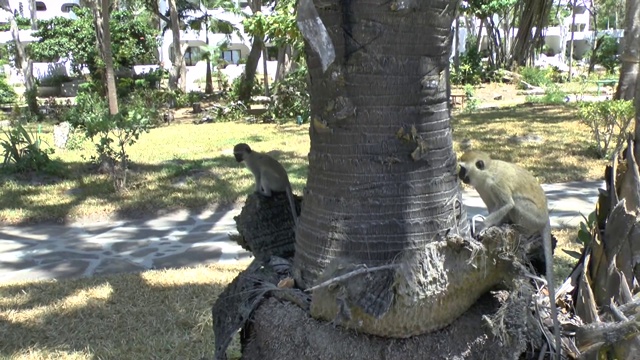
(152, 315)
(166, 314)
(191, 166)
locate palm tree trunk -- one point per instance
(631, 53)
(382, 183)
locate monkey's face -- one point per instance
(471, 165)
(240, 150)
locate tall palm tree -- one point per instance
(382, 211)
(631, 52)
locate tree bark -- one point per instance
(382, 186)
(249, 75)
(631, 53)
(102, 14)
(573, 32)
(177, 75)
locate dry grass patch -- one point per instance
(179, 166)
(565, 153)
(187, 166)
(151, 315)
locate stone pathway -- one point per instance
(184, 239)
(174, 240)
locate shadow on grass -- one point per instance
(174, 184)
(153, 315)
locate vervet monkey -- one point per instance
(513, 195)
(269, 173)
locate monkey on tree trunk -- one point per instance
(513, 195)
(269, 173)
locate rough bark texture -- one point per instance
(265, 225)
(102, 15)
(533, 20)
(177, 75)
(283, 331)
(382, 186)
(249, 75)
(630, 53)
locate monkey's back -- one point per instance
(275, 173)
(530, 200)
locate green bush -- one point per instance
(7, 94)
(606, 53)
(533, 76)
(24, 151)
(552, 95)
(291, 96)
(470, 70)
(609, 122)
(112, 135)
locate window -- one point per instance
(191, 56)
(67, 8)
(243, 3)
(40, 6)
(272, 53)
(231, 56)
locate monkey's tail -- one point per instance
(292, 204)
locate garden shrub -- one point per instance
(7, 94)
(470, 70)
(290, 96)
(24, 151)
(606, 53)
(533, 76)
(609, 122)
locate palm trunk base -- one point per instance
(281, 330)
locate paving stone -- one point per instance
(130, 245)
(144, 252)
(8, 265)
(69, 269)
(62, 256)
(115, 266)
(8, 246)
(191, 257)
(192, 238)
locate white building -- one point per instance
(236, 49)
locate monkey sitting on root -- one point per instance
(270, 175)
(513, 195)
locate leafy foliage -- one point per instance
(112, 135)
(133, 40)
(552, 95)
(7, 94)
(533, 76)
(606, 53)
(609, 121)
(24, 151)
(470, 70)
(280, 26)
(291, 97)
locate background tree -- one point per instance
(210, 23)
(102, 13)
(247, 78)
(630, 52)
(23, 59)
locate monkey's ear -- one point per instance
(480, 164)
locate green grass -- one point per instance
(566, 153)
(191, 166)
(179, 166)
(157, 314)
